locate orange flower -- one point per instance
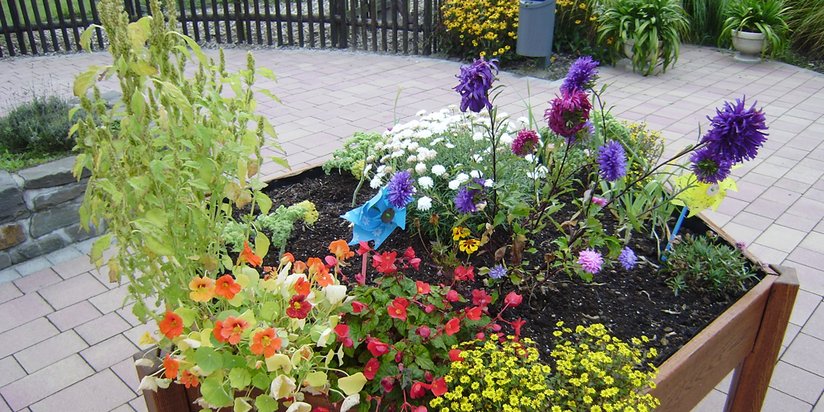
(189, 379)
(299, 267)
(265, 343)
(319, 272)
(203, 289)
(226, 287)
(324, 279)
(171, 325)
(287, 258)
(302, 286)
(171, 367)
(341, 249)
(216, 332)
(232, 329)
(250, 257)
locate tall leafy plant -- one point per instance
(166, 180)
(706, 19)
(653, 27)
(806, 20)
(758, 16)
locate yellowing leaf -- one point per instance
(85, 80)
(100, 245)
(146, 339)
(352, 384)
(277, 362)
(139, 32)
(316, 379)
(241, 405)
(262, 242)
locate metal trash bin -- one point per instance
(536, 24)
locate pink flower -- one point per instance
(397, 309)
(513, 299)
(453, 295)
(481, 298)
(371, 368)
(600, 201)
(423, 331)
(453, 326)
(590, 261)
(376, 347)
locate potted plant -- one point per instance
(757, 28)
(168, 182)
(649, 32)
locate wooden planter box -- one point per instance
(745, 338)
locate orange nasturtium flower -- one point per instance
(171, 367)
(299, 267)
(265, 343)
(171, 325)
(320, 272)
(232, 329)
(341, 249)
(302, 286)
(203, 289)
(287, 258)
(226, 287)
(189, 379)
(248, 256)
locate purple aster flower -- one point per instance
(590, 261)
(581, 75)
(465, 199)
(525, 143)
(497, 272)
(736, 133)
(708, 167)
(568, 113)
(613, 161)
(600, 201)
(400, 189)
(627, 258)
(476, 80)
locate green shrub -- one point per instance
(706, 19)
(576, 25)
(38, 126)
(698, 262)
(278, 224)
(806, 21)
(764, 16)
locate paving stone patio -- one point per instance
(66, 342)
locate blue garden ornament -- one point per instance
(375, 220)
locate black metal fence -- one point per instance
(397, 26)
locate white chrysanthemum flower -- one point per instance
(396, 154)
(425, 182)
(488, 183)
(375, 182)
(424, 134)
(477, 136)
(476, 174)
(420, 168)
(411, 159)
(529, 158)
(506, 139)
(462, 177)
(449, 146)
(413, 146)
(454, 184)
(425, 203)
(438, 170)
(477, 158)
(540, 173)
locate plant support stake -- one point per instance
(675, 232)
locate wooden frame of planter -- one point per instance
(745, 338)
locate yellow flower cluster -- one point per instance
(496, 376)
(645, 144)
(486, 28)
(576, 22)
(599, 373)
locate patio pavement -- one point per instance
(65, 340)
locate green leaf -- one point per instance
(214, 393)
(264, 203)
(99, 246)
(240, 378)
(139, 32)
(241, 405)
(158, 247)
(261, 241)
(265, 403)
(266, 73)
(86, 37)
(352, 384)
(208, 359)
(187, 314)
(144, 69)
(85, 80)
(261, 381)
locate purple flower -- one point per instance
(736, 133)
(600, 201)
(475, 81)
(708, 167)
(568, 113)
(400, 189)
(525, 143)
(613, 161)
(581, 76)
(590, 261)
(465, 199)
(497, 272)
(627, 258)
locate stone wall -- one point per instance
(39, 211)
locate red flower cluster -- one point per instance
(298, 307)
(397, 309)
(464, 273)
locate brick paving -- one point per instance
(64, 334)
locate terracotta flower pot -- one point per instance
(749, 45)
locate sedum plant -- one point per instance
(696, 262)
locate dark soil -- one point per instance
(629, 304)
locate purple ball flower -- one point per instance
(475, 81)
(581, 75)
(400, 189)
(497, 272)
(708, 167)
(613, 161)
(736, 133)
(568, 113)
(590, 261)
(627, 258)
(525, 143)
(465, 199)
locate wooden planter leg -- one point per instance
(752, 377)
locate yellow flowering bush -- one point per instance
(576, 24)
(495, 376)
(600, 373)
(486, 28)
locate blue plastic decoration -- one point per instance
(375, 220)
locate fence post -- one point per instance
(427, 27)
(339, 32)
(241, 35)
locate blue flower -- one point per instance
(736, 133)
(400, 189)
(497, 272)
(375, 220)
(465, 199)
(475, 81)
(708, 167)
(627, 258)
(581, 76)
(613, 161)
